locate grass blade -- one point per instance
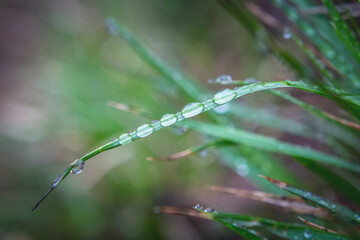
(341, 212)
(270, 144)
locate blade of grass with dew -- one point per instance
(271, 144)
(339, 211)
(188, 88)
(195, 108)
(279, 229)
(145, 130)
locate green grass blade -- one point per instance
(341, 212)
(242, 231)
(279, 229)
(270, 144)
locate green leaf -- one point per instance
(270, 144)
(341, 212)
(280, 229)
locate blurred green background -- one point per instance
(60, 67)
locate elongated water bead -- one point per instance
(144, 130)
(125, 139)
(224, 96)
(168, 119)
(192, 109)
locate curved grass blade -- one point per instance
(341, 212)
(221, 98)
(190, 90)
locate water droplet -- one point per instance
(250, 81)
(56, 182)
(198, 207)
(224, 96)
(287, 34)
(307, 234)
(209, 210)
(203, 153)
(125, 139)
(357, 217)
(78, 167)
(242, 169)
(222, 109)
(224, 79)
(144, 130)
(168, 119)
(192, 109)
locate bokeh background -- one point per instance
(60, 67)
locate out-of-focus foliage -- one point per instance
(61, 68)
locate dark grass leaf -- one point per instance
(341, 212)
(270, 144)
(279, 229)
(242, 231)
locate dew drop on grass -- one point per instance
(307, 234)
(242, 169)
(56, 181)
(198, 207)
(144, 130)
(287, 34)
(209, 210)
(192, 109)
(224, 96)
(125, 139)
(224, 79)
(222, 109)
(78, 167)
(203, 153)
(168, 119)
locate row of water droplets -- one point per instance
(190, 110)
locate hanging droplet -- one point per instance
(78, 167)
(287, 34)
(203, 153)
(222, 109)
(250, 80)
(242, 169)
(224, 96)
(224, 79)
(144, 130)
(307, 234)
(198, 207)
(168, 119)
(192, 109)
(209, 210)
(56, 181)
(125, 139)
